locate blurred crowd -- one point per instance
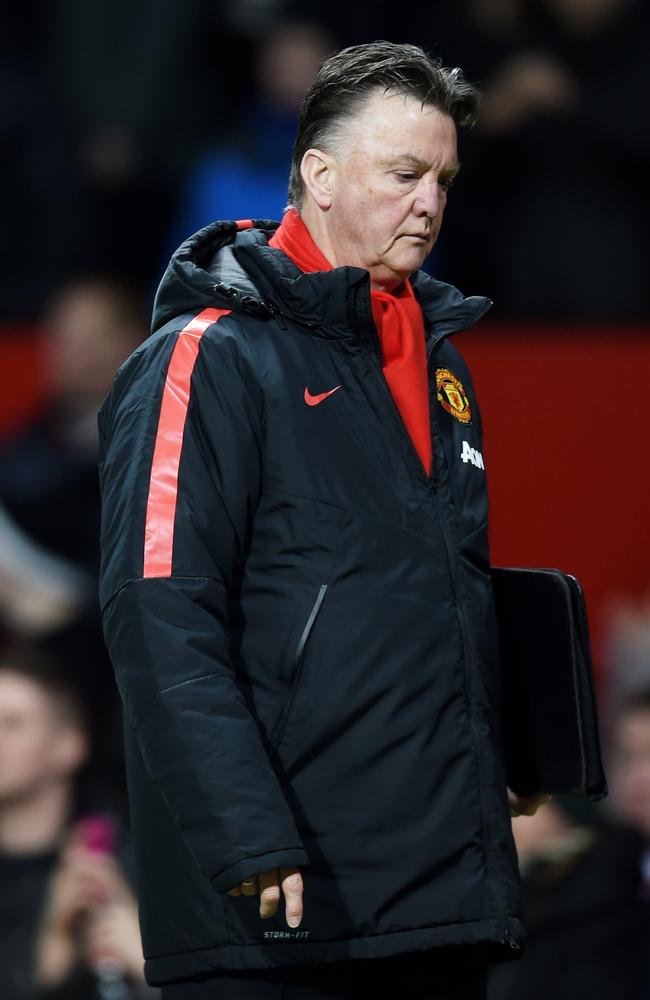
(125, 127)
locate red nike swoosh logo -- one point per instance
(319, 397)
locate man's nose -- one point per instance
(427, 200)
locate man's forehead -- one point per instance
(403, 126)
(394, 106)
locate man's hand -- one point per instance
(270, 884)
(525, 805)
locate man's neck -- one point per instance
(34, 824)
(314, 219)
(316, 222)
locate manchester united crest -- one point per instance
(451, 395)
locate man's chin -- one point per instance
(409, 263)
(392, 273)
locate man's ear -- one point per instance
(318, 170)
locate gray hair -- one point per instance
(346, 79)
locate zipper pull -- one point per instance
(509, 940)
(275, 311)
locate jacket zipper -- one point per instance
(368, 326)
(505, 936)
(274, 310)
(298, 659)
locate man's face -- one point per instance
(36, 745)
(391, 173)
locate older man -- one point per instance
(295, 586)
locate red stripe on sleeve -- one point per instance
(163, 483)
(244, 224)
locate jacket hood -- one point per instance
(229, 265)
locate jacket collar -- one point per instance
(228, 267)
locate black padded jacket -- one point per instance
(301, 622)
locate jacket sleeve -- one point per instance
(180, 472)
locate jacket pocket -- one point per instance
(283, 720)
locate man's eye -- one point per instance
(406, 176)
(446, 183)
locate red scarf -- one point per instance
(400, 326)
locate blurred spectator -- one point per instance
(552, 216)
(586, 919)
(254, 17)
(351, 24)
(38, 592)
(140, 88)
(627, 652)
(629, 769)
(40, 221)
(247, 175)
(48, 474)
(92, 155)
(68, 917)
(49, 491)
(629, 775)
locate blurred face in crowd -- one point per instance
(382, 192)
(39, 743)
(288, 63)
(630, 791)
(585, 15)
(90, 334)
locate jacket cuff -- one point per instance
(233, 875)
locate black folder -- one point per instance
(549, 719)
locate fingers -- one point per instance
(529, 805)
(271, 885)
(292, 887)
(525, 805)
(270, 893)
(513, 802)
(249, 886)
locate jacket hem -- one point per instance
(277, 952)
